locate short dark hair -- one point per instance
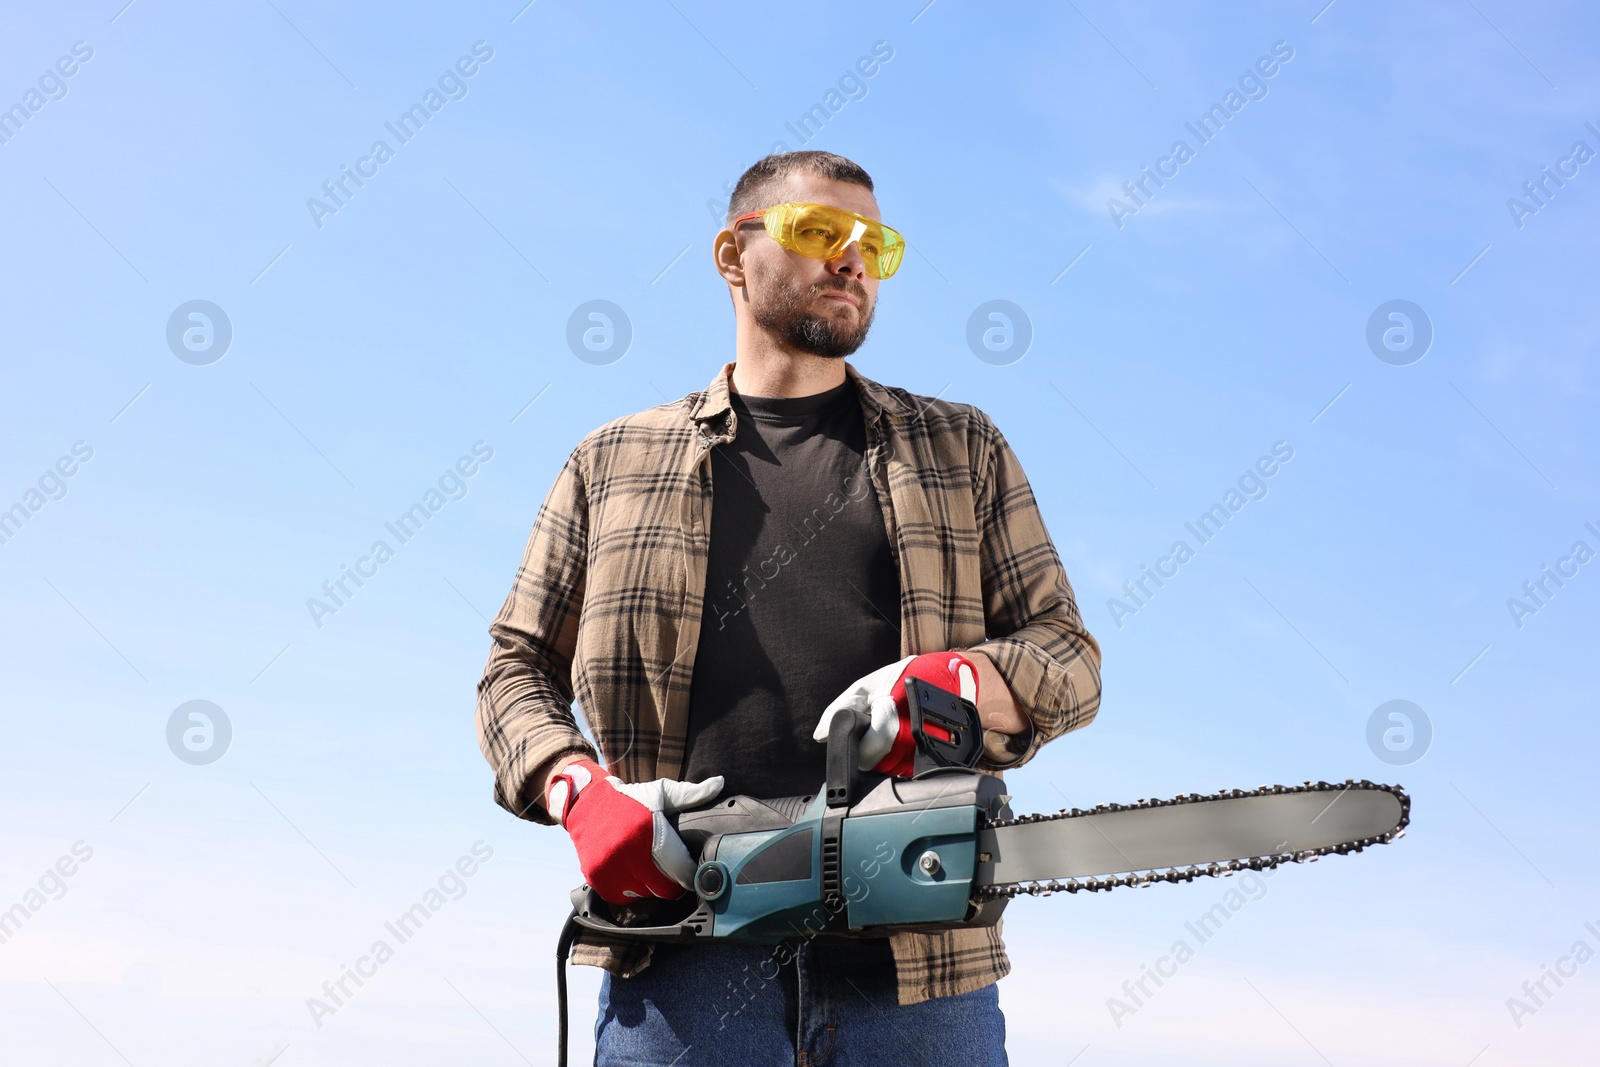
(758, 185)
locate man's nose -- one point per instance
(850, 261)
(850, 257)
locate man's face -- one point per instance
(824, 308)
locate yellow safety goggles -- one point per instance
(823, 232)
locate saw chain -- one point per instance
(1040, 888)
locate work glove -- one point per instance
(888, 746)
(626, 847)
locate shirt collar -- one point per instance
(876, 400)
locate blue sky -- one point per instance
(585, 158)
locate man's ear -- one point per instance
(725, 254)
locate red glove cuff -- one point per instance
(565, 786)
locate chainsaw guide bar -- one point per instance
(1112, 846)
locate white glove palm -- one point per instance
(871, 695)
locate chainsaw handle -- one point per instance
(844, 743)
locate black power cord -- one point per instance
(569, 934)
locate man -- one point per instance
(707, 577)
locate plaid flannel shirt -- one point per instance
(606, 611)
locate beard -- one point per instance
(789, 313)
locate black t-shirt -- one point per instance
(802, 593)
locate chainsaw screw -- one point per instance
(928, 863)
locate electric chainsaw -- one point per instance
(869, 855)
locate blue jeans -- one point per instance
(813, 1003)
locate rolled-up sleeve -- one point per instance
(524, 708)
(1037, 639)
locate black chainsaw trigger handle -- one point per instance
(844, 744)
